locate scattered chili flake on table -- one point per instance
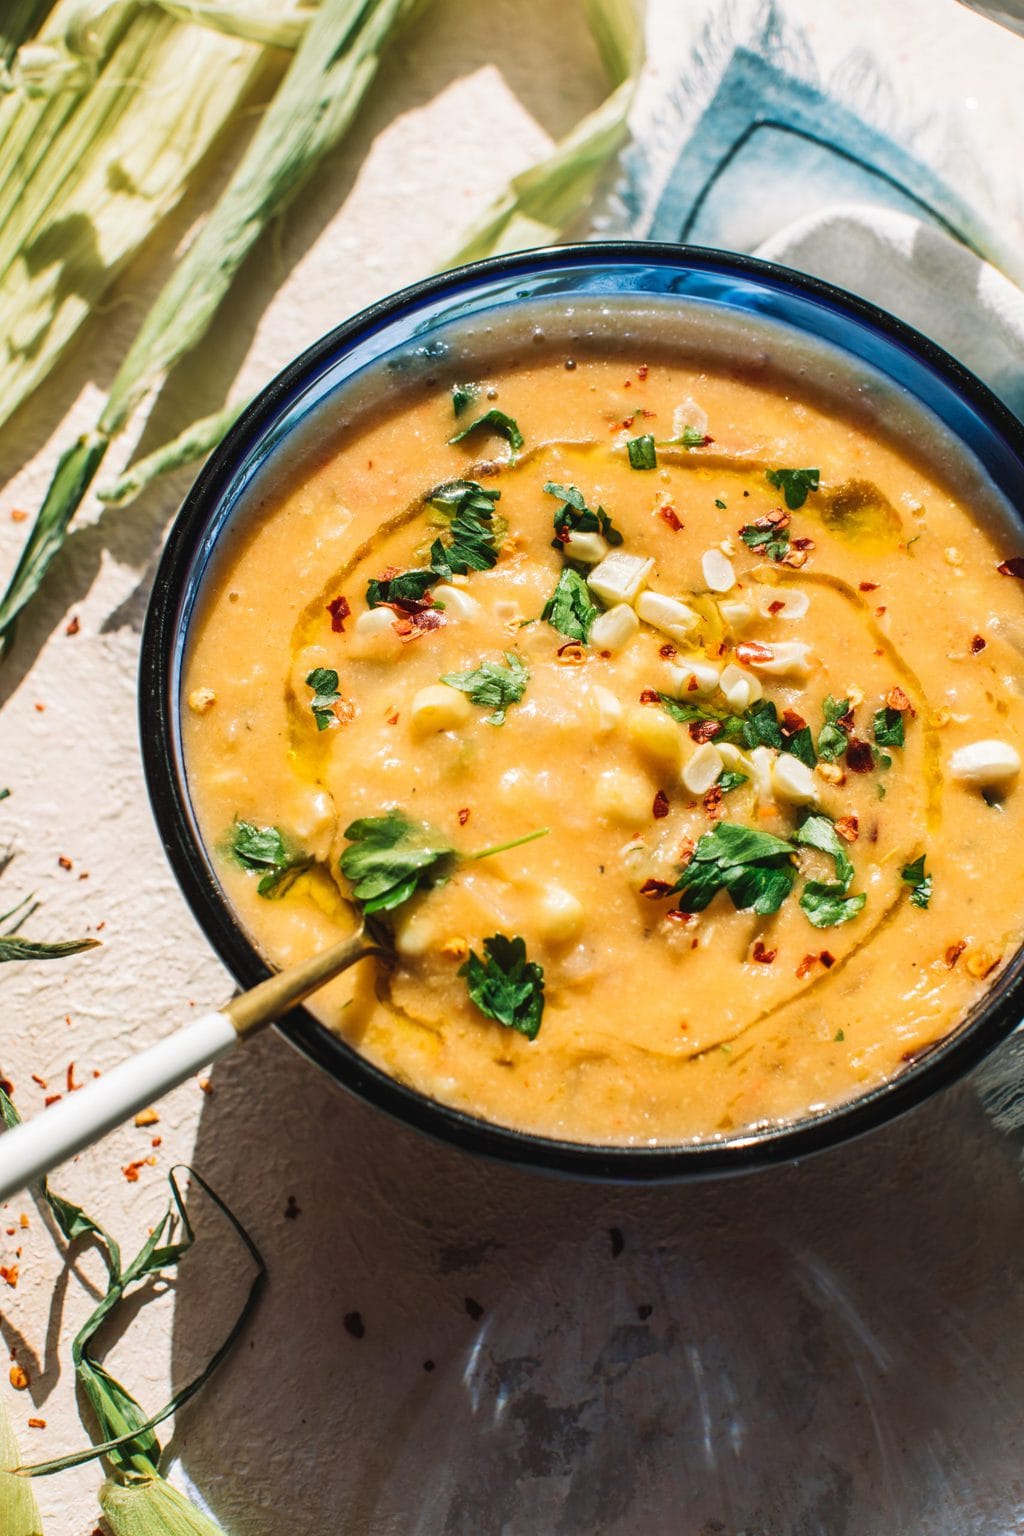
(72, 1086)
(64, 861)
(131, 1170)
(40, 708)
(37, 1423)
(206, 1086)
(146, 1117)
(72, 626)
(428, 1365)
(9, 1275)
(660, 807)
(18, 1377)
(18, 515)
(40, 1081)
(339, 610)
(52, 1098)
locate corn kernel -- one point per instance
(623, 797)
(560, 915)
(201, 699)
(655, 736)
(439, 708)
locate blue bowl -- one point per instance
(408, 323)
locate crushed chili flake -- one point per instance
(206, 1086)
(339, 610)
(571, 654)
(859, 758)
(686, 851)
(23, 1222)
(791, 722)
(777, 518)
(776, 607)
(713, 803)
(52, 1098)
(660, 807)
(671, 517)
(641, 372)
(37, 1423)
(1012, 567)
(649, 696)
(72, 1086)
(146, 1117)
(828, 960)
(761, 955)
(954, 952)
(157, 1141)
(685, 919)
(64, 861)
(704, 730)
(418, 624)
(881, 612)
(847, 828)
(18, 515)
(40, 709)
(802, 543)
(656, 890)
(752, 652)
(898, 700)
(9, 1274)
(463, 815)
(7, 1086)
(666, 651)
(977, 644)
(72, 626)
(869, 586)
(18, 1377)
(392, 719)
(40, 1081)
(806, 966)
(131, 1170)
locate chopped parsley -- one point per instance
(769, 536)
(801, 745)
(463, 396)
(324, 683)
(761, 726)
(794, 484)
(574, 516)
(728, 780)
(689, 437)
(391, 857)
(494, 421)
(642, 452)
(492, 685)
(832, 739)
(505, 985)
(264, 851)
(920, 883)
(403, 591)
(817, 831)
(471, 542)
(755, 868)
(569, 609)
(888, 728)
(827, 905)
(720, 504)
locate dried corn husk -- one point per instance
(152, 1508)
(19, 1512)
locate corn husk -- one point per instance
(280, 26)
(152, 1508)
(19, 1512)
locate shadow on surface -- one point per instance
(831, 1349)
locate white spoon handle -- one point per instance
(57, 1133)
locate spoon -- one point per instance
(34, 1147)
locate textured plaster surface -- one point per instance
(829, 1350)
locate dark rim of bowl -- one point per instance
(989, 1022)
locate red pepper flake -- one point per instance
(418, 624)
(72, 626)
(869, 586)
(704, 730)
(1012, 567)
(19, 515)
(73, 1087)
(881, 612)
(791, 722)
(806, 966)
(641, 372)
(392, 719)
(713, 804)
(686, 919)
(40, 1081)
(9, 1275)
(18, 1377)
(666, 651)
(23, 1222)
(627, 421)
(859, 758)
(671, 517)
(83, 874)
(40, 709)
(761, 955)
(131, 1170)
(205, 1086)
(776, 607)
(37, 1423)
(293, 1209)
(656, 890)
(339, 610)
(977, 644)
(828, 960)
(898, 700)
(52, 1098)
(660, 807)
(848, 828)
(463, 815)
(752, 653)
(650, 696)
(801, 544)
(954, 952)
(777, 518)
(686, 851)
(64, 862)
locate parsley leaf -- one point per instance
(794, 484)
(405, 590)
(686, 713)
(494, 421)
(471, 541)
(690, 437)
(828, 905)
(920, 883)
(768, 536)
(832, 741)
(324, 683)
(642, 452)
(574, 516)
(506, 986)
(888, 727)
(463, 395)
(264, 850)
(569, 609)
(801, 745)
(728, 780)
(754, 867)
(817, 831)
(389, 858)
(493, 685)
(761, 726)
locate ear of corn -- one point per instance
(19, 1513)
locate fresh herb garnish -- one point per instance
(4, 794)
(720, 504)
(492, 685)
(817, 831)
(463, 395)
(574, 516)
(920, 883)
(406, 590)
(832, 739)
(794, 484)
(761, 726)
(689, 437)
(506, 986)
(264, 851)
(801, 745)
(391, 857)
(471, 542)
(769, 535)
(827, 905)
(888, 728)
(494, 421)
(642, 452)
(755, 868)
(569, 609)
(728, 780)
(324, 683)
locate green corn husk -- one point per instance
(19, 1512)
(280, 27)
(152, 1508)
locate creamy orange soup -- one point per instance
(723, 625)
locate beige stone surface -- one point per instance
(781, 1322)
